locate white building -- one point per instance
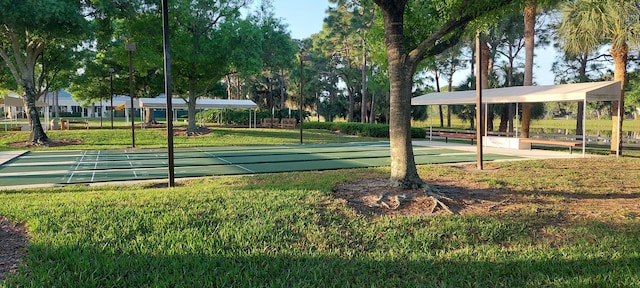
(65, 103)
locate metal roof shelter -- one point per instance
(593, 91)
(201, 104)
(9, 101)
(161, 103)
(580, 92)
(17, 102)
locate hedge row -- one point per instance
(360, 129)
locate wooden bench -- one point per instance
(446, 136)
(268, 123)
(289, 122)
(66, 124)
(569, 144)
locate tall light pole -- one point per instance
(131, 47)
(479, 122)
(302, 59)
(101, 102)
(167, 91)
(111, 71)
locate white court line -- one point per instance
(135, 174)
(95, 166)
(38, 164)
(69, 180)
(225, 161)
(77, 166)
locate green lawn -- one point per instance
(290, 230)
(155, 138)
(564, 223)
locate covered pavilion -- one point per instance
(11, 105)
(580, 92)
(201, 104)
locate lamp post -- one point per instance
(131, 47)
(101, 103)
(111, 71)
(302, 58)
(167, 90)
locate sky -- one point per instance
(305, 17)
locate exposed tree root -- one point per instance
(391, 202)
(437, 200)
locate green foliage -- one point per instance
(360, 129)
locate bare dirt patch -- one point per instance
(13, 239)
(200, 131)
(374, 197)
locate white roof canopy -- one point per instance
(176, 103)
(18, 102)
(593, 91)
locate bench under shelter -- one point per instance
(579, 92)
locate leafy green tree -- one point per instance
(277, 53)
(413, 31)
(202, 50)
(614, 22)
(28, 28)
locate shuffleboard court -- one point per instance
(99, 166)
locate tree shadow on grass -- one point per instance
(88, 266)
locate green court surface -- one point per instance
(94, 166)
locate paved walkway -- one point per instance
(6, 156)
(522, 154)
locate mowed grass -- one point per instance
(157, 138)
(289, 230)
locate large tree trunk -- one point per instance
(23, 72)
(37, 132)
(529, 44)
(620, 55)
(151, 117)
(403, 168)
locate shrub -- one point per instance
(359, 129)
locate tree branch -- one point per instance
(15, 44)
(12, 67)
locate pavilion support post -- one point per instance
(584, 128)
(479, 114)
(517, 120)
(619, 125)
(431, 125)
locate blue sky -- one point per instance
(305, 17)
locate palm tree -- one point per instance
(529, 45)
(530, 12)
(613, 22)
